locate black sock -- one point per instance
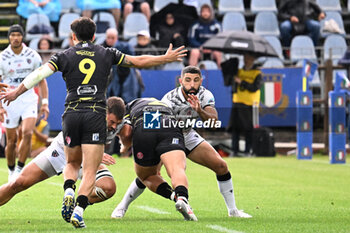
(181, 191)
(20, 164)
(82, 201)
(164, 190)
(11, 167)
(225, 177)
(139, 184)
(69, 184)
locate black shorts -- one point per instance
(149, 145)
(84, 128)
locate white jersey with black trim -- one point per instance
(15, 67)
(182, 108)
(55, 153)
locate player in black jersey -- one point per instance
(147, 126)
(85, 69)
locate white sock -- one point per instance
(18, 169)
(69, 191)
(226, 190)
(79, 210)
(131, 194)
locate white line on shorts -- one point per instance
(152, 210)
(222, 229)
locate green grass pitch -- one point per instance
(282, 193)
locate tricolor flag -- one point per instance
(341, 81)
(340, 155)
(309, 69)
(340, 101)
(305, 151)
(340, 128)
(271, 91)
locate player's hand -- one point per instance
(2, 114)
(9, 96)
(176, 54)
(108, 159)
(44, 110)
(3, 87)
(194, 102)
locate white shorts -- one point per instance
(44, 164)
(20, 108)
(192, 140)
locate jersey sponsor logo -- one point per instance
(175, 141)
(151, 120)
(139, 155)
(87, 90)
(95, 137)
(54, 153)
(85, 53)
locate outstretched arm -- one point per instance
(30, 81)
(145, 61)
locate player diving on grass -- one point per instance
(52, 161)
(190, 101)
(154, 145)
(85, 68)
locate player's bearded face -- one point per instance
(16, 39)
(191, 91)
(191, 83)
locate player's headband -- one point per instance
(15, 28)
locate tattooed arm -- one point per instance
(145, 61)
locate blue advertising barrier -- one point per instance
(337, 135)
(278, 95)
(304, 125)
(57, 95)
(279, 111)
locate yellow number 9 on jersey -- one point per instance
(89, 71)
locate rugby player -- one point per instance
(85, 68)
(17, 61)
(190, 101)
(152, 146)
(52, 161)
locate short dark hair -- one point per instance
(84, 28)
(191, 70)
(116, 106)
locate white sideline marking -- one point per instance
(54, 183)
(3, 170)
(152, 210)
(222, 229)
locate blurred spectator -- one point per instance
(51, 8)
(40, 136)
(45, 46)
(170, 31)
(144, 46)
(87, 6)
(206, 27)
(247, 93)
(137, 6)
(299, 17)
(112, 40)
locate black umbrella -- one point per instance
(240, 42)
(183, 14)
